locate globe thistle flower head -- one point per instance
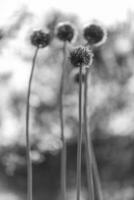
(81, 56)
(77, 78)
(1, 34)
(65, 32)
(94, 34)
(40, 39)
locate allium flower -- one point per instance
(94, 34)
(40, 39)
(1, 34)
(77, 78)
(65, 32)
(81, 56)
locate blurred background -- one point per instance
(111, 98)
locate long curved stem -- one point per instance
(87, 144)
(94, 185)
(96, 179)
(63, 151)
(79, 143)
(29, 162)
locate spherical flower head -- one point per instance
(65, 32)
(1, 34)
(77, 78)
(40, 39)
(81, 56)
(94, 34)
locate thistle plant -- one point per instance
(76, 78)
(87, 138)
(80, 57)
(65, 33)
(95, 35)
(1, 34)
(40, 40)
(88, 154)
(93, 180)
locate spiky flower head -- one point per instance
(40, 39)
(65, 31)
(81, 56)
(94, 34)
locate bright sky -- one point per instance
(107, 11)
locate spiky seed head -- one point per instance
(40, 39)
(81, 56)
(94, 34)
(65, 31)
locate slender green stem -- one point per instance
(88, 143)
(78, 175)
(29, 162)
(94, 185)
(63, 151)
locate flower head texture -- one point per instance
(40, 39)
(94, 34)
(81, 56)
(65, 32)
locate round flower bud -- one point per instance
(77, 78)
(94, 34)
(1, 34)
(65, 32)
(81, 56)
(40, 39)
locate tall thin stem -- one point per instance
(78, 175)
(96, 179)
(63, 151)
(29, 162)
(94, 185)
(88, 143)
